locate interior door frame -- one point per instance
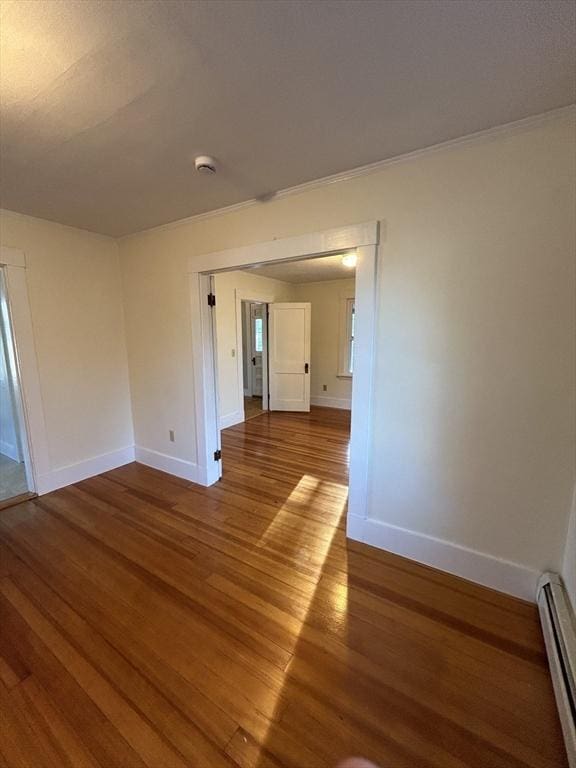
(34, 437)
(253, 351)
(364, 240)
(246, 319)
(257, 298)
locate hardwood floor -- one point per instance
(252, 407)
(150, 622)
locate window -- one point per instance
(257, 334)
(346, 340)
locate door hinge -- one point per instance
(217, 455)
(211, 300)
(306, 367)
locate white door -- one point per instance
(257, 343)
(289, 356)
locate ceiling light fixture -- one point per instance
(205, 164)
(349, 260)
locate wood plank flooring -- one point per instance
(252, 407)
(150, 622)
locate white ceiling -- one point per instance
(307, 270)
(104, 104)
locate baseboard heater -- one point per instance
(560, 637)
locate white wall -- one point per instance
(75, 299)
(325, 298)
(474, 391)
(231, 398)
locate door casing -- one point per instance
(254, 314)
(35, 441)
(258, 298)
(364, 240)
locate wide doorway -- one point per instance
(217, 361)
(284, 337)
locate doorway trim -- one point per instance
(257, 298)
(14, 263)
(363, 239)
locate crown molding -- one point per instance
(364, 170)
(516, 126)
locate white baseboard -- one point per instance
(237, 417)
(332, 402)
(202, 477)
(173, 466)
(502, 575)
(10, 450)
(74, 473)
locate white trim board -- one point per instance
(74, 473)
(186, 470)
(294, 248)
(479, 567)
(237, 417)
(365, 170)
(332, 402)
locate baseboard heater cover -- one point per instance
(560, 637)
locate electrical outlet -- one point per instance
(233, 353)
(171, 435)
(325, 387)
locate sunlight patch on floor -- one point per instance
(333, 498)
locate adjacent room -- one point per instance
(319, 349)
(285, 356)
(287, 384)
